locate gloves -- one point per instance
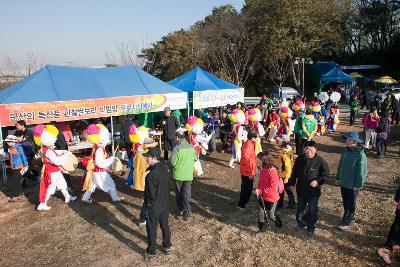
(23, 170)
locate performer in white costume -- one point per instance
(97, 175)
(51, 178)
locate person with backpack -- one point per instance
(270, 185)
(18, 166)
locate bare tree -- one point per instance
(277, 69)
(230, 50)
(11, 68)
(33, 63)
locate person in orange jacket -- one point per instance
(248, 166)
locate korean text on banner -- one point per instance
(36, 113)
(216, 98)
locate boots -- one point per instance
(231, 163)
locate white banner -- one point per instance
(174, 101)
(217, 98)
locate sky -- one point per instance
(81, 32)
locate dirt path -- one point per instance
(104, 234)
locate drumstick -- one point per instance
(115, 151)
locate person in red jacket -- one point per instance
(248, 166)
(268, 189)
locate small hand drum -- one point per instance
(117, 166)
(70, 163)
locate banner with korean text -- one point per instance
(217, 98)
(37, 113)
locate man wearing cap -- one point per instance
(309, 173)
(18, 166)
(182, 160)
(170, 124)
(351, 172)
(156, 198)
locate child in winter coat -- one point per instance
(268, 190)
(382, 133)
(285, 165)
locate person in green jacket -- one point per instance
(309, 127)
(177, 113)
(354, 106)
(182, 160)
(352, 170)
(298, 131)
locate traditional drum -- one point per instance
(117, 166)
(70, 163)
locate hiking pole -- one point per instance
(265, 211)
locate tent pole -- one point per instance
(188, 109)
(112, 136)
(1, 133)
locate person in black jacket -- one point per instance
(309, 173)
(225, 129)
(392, 243)
(170, 124)
(130, 120)
(27, 133)
(156, 198)
(395, 110)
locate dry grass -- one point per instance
(105, 234)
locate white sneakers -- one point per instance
(231, 162)
(70, 199)
(87, 201)
(118, 199)
(43, 207)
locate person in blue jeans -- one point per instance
(309, 173)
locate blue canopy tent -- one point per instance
(322, 72)
(336, 75)
(207, 90)
(59, 93)
(60, 83)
